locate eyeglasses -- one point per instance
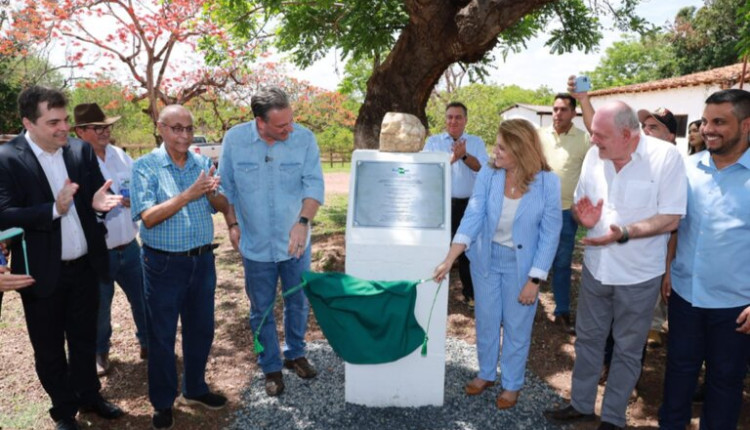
(99, 129)
(178, 129)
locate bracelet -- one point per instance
(232, 225)
(625, 235)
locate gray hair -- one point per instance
(268, 99)
(625, 118)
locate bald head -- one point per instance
(615, 130)
(176, 129)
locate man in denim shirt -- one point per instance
(271, 173)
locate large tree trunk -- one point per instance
(436, 36)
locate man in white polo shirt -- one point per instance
(468, 154)
(93, 127)
(631, 195)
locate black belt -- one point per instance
(189, 253)
(75, 261)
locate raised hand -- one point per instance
(65, 196)
(105, 201)
(586, 213)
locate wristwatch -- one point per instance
(304, 220)
(535, 280)
(465, 157)
(625, 235)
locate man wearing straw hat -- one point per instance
(95, 128)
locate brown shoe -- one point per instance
(102, 364)
(301, 367)
(274, 383)
(477, 386)
(504, 403)
(144, 353)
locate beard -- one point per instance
(726, 146)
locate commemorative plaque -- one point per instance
(393, 194)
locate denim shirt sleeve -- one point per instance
(312, 175)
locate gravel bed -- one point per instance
(319, 403)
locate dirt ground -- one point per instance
(24, 404)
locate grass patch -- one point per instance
(331, 217)
(24, 414)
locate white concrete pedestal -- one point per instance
(401, 252)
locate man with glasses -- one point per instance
(174, 194)
(93, 127)
(271, 171)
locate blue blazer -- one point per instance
(536, 226)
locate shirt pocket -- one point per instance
(291, 176)
(247, 176)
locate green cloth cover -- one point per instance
(366, 322)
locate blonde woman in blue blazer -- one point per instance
(510, 233)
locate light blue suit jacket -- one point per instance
(536, 226)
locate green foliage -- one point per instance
(743, 21)
(331, 217)
(632, 61)
(708, 38)
(336, 143)
(356, 74)
(699, 39)
(484, 103)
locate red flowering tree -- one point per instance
(166, 51)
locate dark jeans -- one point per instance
(68, 315)
(125, 269)
(698, 334)
(178, 287)
(561, 271)
(458, 207)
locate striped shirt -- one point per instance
(156, 179)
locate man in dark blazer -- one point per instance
(51, 186)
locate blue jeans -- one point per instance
(261, 279)
(698, 334)
(561, 271)
(178, 287)
(125, 269)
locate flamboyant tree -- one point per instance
(424, 38)
(167, 51)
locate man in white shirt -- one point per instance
(468, 154)
(93, 127)
(631, 194)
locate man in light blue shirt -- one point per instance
(468, 154)
(709, 298)
(270, 169)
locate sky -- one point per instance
(530, 68)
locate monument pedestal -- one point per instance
(398, 228)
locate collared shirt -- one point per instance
(565, 153)
(156, 179)
(711, 268)
(462, 177)
(267, 184)
(652, 183)
(118, 167)
(74, 243)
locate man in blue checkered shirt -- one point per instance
(174, 193)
